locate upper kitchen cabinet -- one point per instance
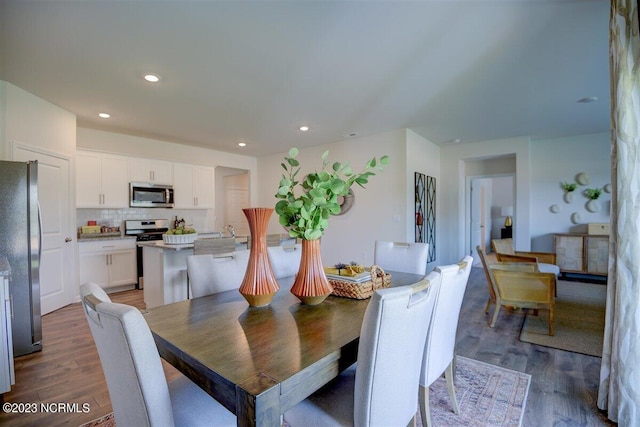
(152, 171)
(192, 186)
(102, 180)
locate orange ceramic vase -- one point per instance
(311, 285)
(259, 284)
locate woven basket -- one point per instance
(363, 290)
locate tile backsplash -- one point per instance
(203, 220)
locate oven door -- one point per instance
(145, 195)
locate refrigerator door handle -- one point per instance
(39, 232)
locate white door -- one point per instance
(57, 265)
(478, 205)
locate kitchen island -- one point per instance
(165, 271)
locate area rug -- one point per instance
(488, 395)
(579, 320)
(106, 421)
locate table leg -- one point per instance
(258, 402)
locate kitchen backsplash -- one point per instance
(202, 220)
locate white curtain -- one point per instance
(619, 392)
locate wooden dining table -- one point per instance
(259, 362)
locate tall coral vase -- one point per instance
(311, 285)
(259, 284)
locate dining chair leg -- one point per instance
(551, 331)
(448, 375)
(494, 318)
(412, 423)
(425, 410)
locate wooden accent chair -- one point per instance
(381, 389)
(439, 351)
(505, 253)
(139, 391)
(519, 284)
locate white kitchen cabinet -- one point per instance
(151, 170)
(108, 263)
(102, 180)
(7, 373)
(193, 186)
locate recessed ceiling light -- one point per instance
(454, 141)
(242, 144)
(104, 115)
(588, 99)
(304, 128)
(353, 134)
(152, 78)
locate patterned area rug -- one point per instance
(579, 320)
(488, 395)
(106, 421)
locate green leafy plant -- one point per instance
(306, 215)
(569, 187)
(593, 193)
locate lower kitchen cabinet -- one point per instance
(108, 263)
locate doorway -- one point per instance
(487, 196)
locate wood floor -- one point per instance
(563, 391)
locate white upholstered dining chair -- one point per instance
(402, 256)
(439, 350)
(209, 274)
(139, 392)
(380, 389)
(285, 260)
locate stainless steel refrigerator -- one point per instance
(20, 243)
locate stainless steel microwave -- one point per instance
(145, 195)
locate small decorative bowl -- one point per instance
(179, 239)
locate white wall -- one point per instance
(29, 120)
(379, 211)
(558, 160)
(422, 156)
(455, 207)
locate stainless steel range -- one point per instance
(145, 230)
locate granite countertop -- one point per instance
(103, 236)
(5, 268)
(163, 245)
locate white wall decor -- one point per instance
(576, 218)
(555, 208)
(582, 178)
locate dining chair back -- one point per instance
(138, 389)
(285, 260)
(439, 350)
(209, 274)
(380, 390)
(402, 256)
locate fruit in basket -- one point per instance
(182, 229)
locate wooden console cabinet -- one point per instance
(582, 253)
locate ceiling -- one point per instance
(255, 71)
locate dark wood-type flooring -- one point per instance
(563, 390)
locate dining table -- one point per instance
(260, 361)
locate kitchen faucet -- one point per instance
(231, 230)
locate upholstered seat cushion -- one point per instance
(548, 268)
(329, 406)
(193, 407)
